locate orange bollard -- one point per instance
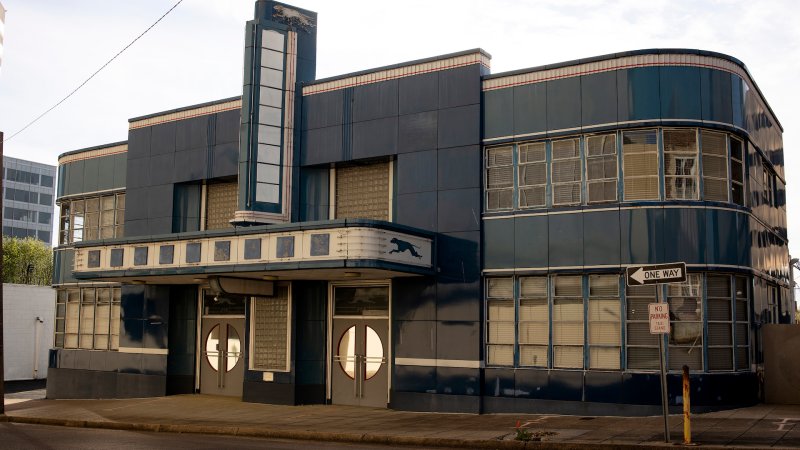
(687, 420)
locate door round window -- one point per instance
(212, 347)
(347, 352)
(374, 356)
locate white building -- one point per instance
(28, 313)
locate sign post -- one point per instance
(658, 314)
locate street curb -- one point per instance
(304, 435)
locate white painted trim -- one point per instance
(144, 351)
(425, 362)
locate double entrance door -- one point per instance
(360, 346)
(222, 346)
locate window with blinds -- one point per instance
(680, 164)
(534, 322)
(742, 322)
(270, 331)
(715, 166)
(499, 178)
(719, 314)
(500, 321)
(601, 168)
(566, 172)
(221, 203)
(737, 171)
(641, 346)
(532, 176)
(567, 322)
(640, 165)
(363, 191)
(604, 327)
(686, 322)
(87, 318)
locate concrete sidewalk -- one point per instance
(759, 426)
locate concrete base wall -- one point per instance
(22, 304)
(781, 364)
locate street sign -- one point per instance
(655, 274)
(659, 318)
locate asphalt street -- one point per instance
(25, 436)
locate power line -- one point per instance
(94, 74)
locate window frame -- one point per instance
(518, 174)
(114, 318)
(252, 334)
(659, 172)
(486, 167)
(603, 157)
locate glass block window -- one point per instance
(742, 322)
(87, 318)
(500, 321)
(640, 165)
(567, 322)
(532, 175)
(641, 346)
(221, 205)
(604, 327)
(567, 176)
(680, 164)
(719, 313)
(499, 178)
(715, 166)
(92, 218)
(737, 171)
(534, 322)
(363, 191)
(601, 168)
(270, 325)
(686, 323)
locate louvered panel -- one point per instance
(605, 144)
(680, 141)
(500, 288)
(604, 333)
(713, 143)
(500, 355)
(720, 359)
(741, 311)
(566, 170)
(638, 333)
(499, 156)
(567, 286)
(643, 358)
(530, 355)
(532, 196)
(499, 177)
(534, 333)
(601, 167)
(603, 285)
(641, 188)
(500, 333)
(533, 310)
(715, 166)
(719, 334)
(742, 334)
(567, 325)
(718, 286)
(641, 291)
(604, 358)
(533, 287)
(533, 174)
(500, 310)
(637, 308)
(568, 357)
(566, 148)
(643, 141)
(719, 309)
(602, 191)
(640, 164)
(500, 199)
(683, 356)
(566, 194)
(535, 152)
(742, 358)
(604, 310)
(715, 190)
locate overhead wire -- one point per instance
(94, 74)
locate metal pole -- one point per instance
(662, 362)
(2, 370)
(687, 419)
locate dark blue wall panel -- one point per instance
(599, 98)
(601, 238)
(680, 92)
(530, 109)
(565, 239)
(639, 94)
(529, 239)
(498, 244)
(564, 103)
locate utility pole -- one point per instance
(2, 369)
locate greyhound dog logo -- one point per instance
(292, 17)
(404, 246)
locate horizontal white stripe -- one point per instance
(144, 351)
(456, 363)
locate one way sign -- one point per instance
(655, 274)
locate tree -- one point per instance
(27, 261)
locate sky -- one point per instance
(195, 54)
